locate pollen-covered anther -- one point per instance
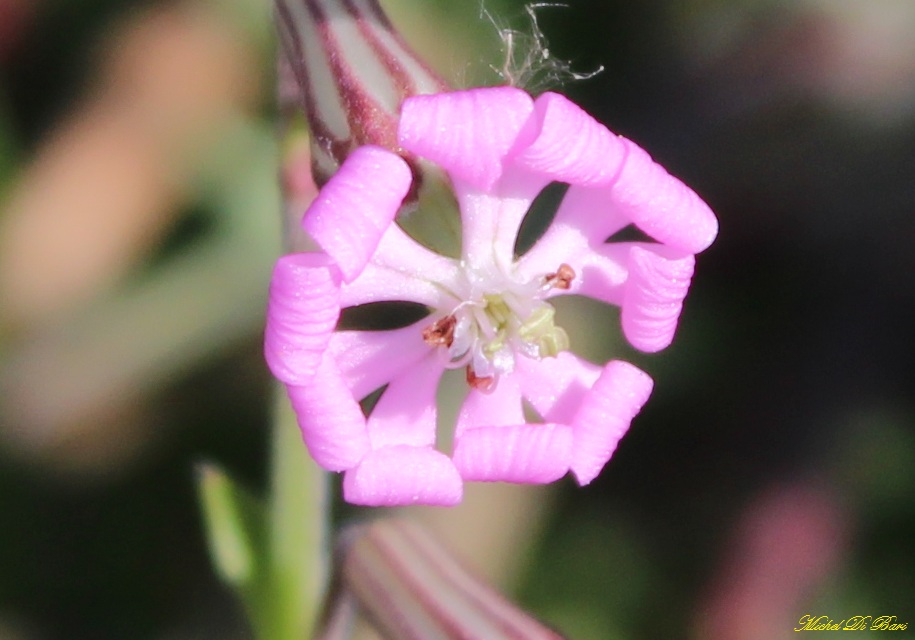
(562, 279)
(441, 332)
(484, 385)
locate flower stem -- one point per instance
(298, 529)
(299, 506)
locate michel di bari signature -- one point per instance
(855, 623)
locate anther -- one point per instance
(483, 385)
(441, 332)
(562, 279)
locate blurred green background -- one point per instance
(771, 475)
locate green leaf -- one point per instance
(234, 525)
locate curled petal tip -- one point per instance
(403, 475)
(332, 423)
(527, 453)
(468, 133)
(302, 311)
(568, 145)
(653, 298)
(604, 417)
(357, 205)
(661, 205)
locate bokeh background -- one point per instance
(771, 475)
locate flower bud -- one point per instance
(354, 71)
(409, 586)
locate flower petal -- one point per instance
(526, 453)
(604, 417)
(653, 297)
(501, 407)
(490, 219)
(381, 284)
(402, 269)
(406, 412)
(593, 211)
(468, 133)
(570, 146)
(331, 421)
(402, 475)
(302, 312)
(661, 205)
(370, 359)
(600, 273)
(397, 250)
(357, 205)
(556, 386)
(585, 219)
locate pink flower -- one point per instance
(491, 311)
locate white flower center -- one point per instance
(499, 317)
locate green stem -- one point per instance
(298, 530)
(299, 517)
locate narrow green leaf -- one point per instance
(229, 514)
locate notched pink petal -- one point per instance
(370, 359)
(604, 416)
(331, 421)
(556, 386)
(498, 408)
(302, 311)
(380, 284)
(402, 269)
(490, 220)
(601, 274)
(584, 221)
(406, 412)
(653, 297)
(468, 133)
(661, 205)
(527, 453)
(357, 205)
(570, 146)
(403, 475)
(397, 250)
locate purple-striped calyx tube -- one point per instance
(409, 587)
(354, 71)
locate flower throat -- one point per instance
(486, 331)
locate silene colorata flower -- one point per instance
(491, 312)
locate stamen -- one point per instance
(441, 332)
(515, 305)
(540, 329)
(497, 309)
(483, 385)
(482, 322)
(495, 345)
(562, 279)
(488, 330)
